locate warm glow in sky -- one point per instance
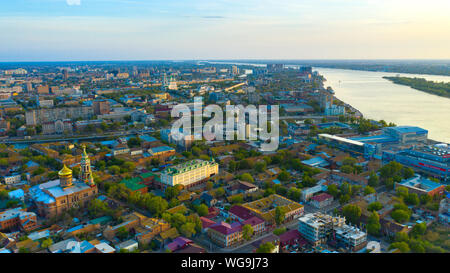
(51, 30)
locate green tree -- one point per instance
(402, 246)
(280, 215)
(202, 210)
(247, 232)
(352, 213)
(374, 206)
(122, 233)
(368, 190)
(265, 248)
(412, 199)
(247, 177)
(188, 229)
(400, 216)
(373, 179)
(373, 224)
(46, 243)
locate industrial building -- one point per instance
(431, 160)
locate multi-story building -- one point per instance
(317, 227)
(189, 174)
(17, 218)
(39, 116)
(101, 107)
(56, 197)
(225, 234)
(350, 237)
(431, 160)
(421, 185)
(12, 179)
(57, 127)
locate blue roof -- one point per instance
(375, 139)
(276, 181)
(408, 129)
(148, 138)
(162, 149)
(17, 194)
(316, 161)
(31, 164)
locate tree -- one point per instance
(347, 169)
(402, 246)
(284, 176)
(209, 185)
(401, 237)
(97, 208)
(46, 243)
(294, 194)
(352, 213)
(157, 205)
(333, 190)
(373, 224)
(202, 210)
(260, 166)
(219, 192)
(265, 248)
(400, 216)
(373, 179)
(374, 206)
(418, 230)
(412, 199)
(122, 233)
(188, 229)
(247, 177)
(368, 190)
(247, 232)
(177, 220)
(280, 215)
(402, 192)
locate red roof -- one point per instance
(206, 223)
(226, 228)
(253, 221)
(291, 236)
(241, 212)
(321, 197)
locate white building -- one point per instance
(12, 179)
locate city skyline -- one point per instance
(90, 30)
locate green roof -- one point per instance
(101, 220)
(147, 175)
(133, 183)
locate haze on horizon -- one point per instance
(71, 30)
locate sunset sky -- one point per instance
(59, 30)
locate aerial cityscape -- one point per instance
(121, 153)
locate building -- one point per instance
(225, 234)
(356, 148)
(317, 227)
(407, 134)
(350, 237)
(12, 179)
(189, 174)
(431, 160)
(421, 185)
(57, 127)
(321, 200)
(58, 196)
(17, 218)
(101, 107)
(307, 193)
(265, 208)
(39, 116)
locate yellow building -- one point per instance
(189, 174)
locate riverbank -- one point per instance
(436, 88)
(380, 99)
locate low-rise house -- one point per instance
(129, 245)
(321, 200)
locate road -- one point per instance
(43, 139)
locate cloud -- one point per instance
(73, 2)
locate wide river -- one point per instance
(378, 99)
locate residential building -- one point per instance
(17, 218)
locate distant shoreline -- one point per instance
(431, 87)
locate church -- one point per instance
(55, 197)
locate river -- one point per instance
(378, 99)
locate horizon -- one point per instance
(133, 30)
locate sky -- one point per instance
(82, 30)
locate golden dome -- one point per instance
(65, 171)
